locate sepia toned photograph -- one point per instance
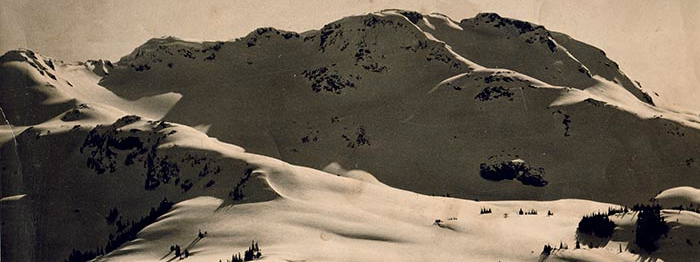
(352, 130)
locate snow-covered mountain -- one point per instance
(488, 108)
(423, 101)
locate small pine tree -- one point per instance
(547, 250)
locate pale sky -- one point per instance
(654, 41)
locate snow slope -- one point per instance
(427, 104)
(679, 196)
(319, 216)
(322, 217)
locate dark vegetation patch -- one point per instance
(650, 227)
(373, 21)
(674, 130)
(141, 67)
(211, 56)
(566, 121)
(106, 146)
(251, 254)
(455, 86)
(598, 225)
(311, 136)
(75, 113)
(237, 193)
(647, 98)
(412, 16)
(531, 33)
(689, 162)
(360, 138)
(485, 211)
(493, 93)
(594, 102)
(531, 212)
(498, 78)
(125, 232)
(329, 34)
(325, 79)
(364, 59)
(509, 170)
(268, 33)
(440, 54)
(50, 64)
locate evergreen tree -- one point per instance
(112, 216)
(547, 250)
(598, 225)
(650, 227)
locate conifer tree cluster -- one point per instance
(112, 216)
(237, 193)
(597, 224)
(126, 231)
(547, 250)
(617, 210)
(688, 208)
(650, 227)
(131, 228)
(529, 212)
(251, 254)
(78, 256)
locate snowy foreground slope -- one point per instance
(319, 216)
(297, 213)
(119, 161)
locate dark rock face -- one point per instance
(323, 79)
(414, 17)
(509, 170)
(109, 147)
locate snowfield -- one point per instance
(390, 136)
